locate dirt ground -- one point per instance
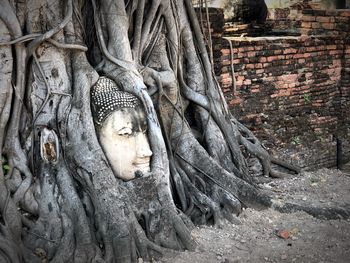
(271, 236)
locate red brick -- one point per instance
(251, 54)
(308, 18)
(240, 55)
(337, 63)
(310, 49)
(263, 59)
(277, 52)
(272, 58)
(321, 53)
(290, 51)
(290, 78)
(335, 52)
(249, 66)
(226, 80)
(225, 52)
(304, 32)
(306, 25)
(225, 75)
(240, 78)
(298, 56)
(329, 47)
(235, 101)
(321, 47)
(323, 19)
(328, 26)
(315, 25)
(344, 13)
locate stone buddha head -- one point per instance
(121, 127)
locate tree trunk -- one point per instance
(60, 200)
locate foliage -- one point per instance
(5, 165)
(307, 97)
(296, 140)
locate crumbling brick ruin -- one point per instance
(293, 91)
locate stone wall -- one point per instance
(294, 92)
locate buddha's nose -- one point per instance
(142, 146)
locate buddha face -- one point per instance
(124, 141)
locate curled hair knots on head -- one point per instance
(107, 97)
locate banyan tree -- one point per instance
(115, 137)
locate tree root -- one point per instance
(321, 212)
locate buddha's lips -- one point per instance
(142, 164)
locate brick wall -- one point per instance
(330, 22)
(216, 20)
(294, 92)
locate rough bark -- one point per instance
(59, 199)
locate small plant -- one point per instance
(296, 140)
(307, 97)
(314, 180)
(5, 165)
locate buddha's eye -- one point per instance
(126, 131)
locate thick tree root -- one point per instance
(321, 212)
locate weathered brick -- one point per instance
(313, 70)
(335, 52)
(310, 49)
(298, 56)
(290, 51)
(272, 58)
(328, 26)
(225, 52)
(306, 24)
(235, 101)
(315, 25)
(308, 18)
(247, 82)
(345, 13)
(251, 54)
(330, 47)
(323, 19)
